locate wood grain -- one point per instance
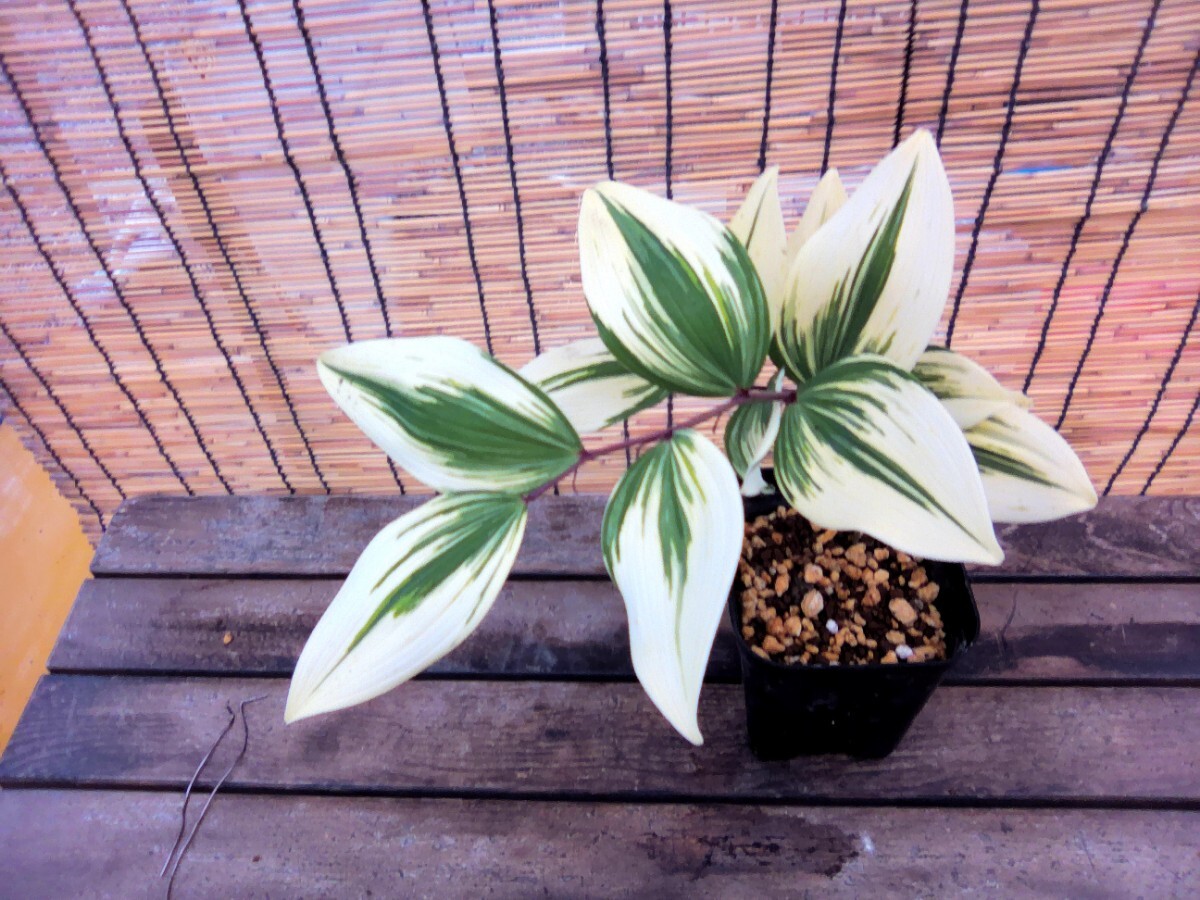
(1127, 632)
(1124, 537)
(580, 740)
(109, 843)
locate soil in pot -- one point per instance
(818, 597)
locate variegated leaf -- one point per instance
(866, 448)
(749, 435)
(827, 198)
(874, 278)
(967, 390)
(673, 293)
(758, 224)
(416, 592)
(589, 385)
(450, 414)
(671, 535)
(1030, 473)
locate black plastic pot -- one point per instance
(862, 711)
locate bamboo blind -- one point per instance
(199, 197)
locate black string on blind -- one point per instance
(45, 383)
(162, 220)
(1143, 206)
(58, 460)
(997, 168)
(226, 256)
(1101, 162)
(910, 40)
(290, 158)
(766, 121)
(1162, 389)
(36, 129)
(952, 69)
(339, 153)
(602, 41)
(1179, 435)
(833, 75)
(498, 62)
(457, 166)
(668, 174)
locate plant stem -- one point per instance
(744, 395)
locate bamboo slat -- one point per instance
(159, 125)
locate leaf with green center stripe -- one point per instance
(967, 390)
(673, 293)
(874, 278)
(758, 224)
(1030, 473)
(866, 448)
(451, 415)
(749, 434)
(589, 385)
(418, 590)
(672, 535)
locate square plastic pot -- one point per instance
(863, 710)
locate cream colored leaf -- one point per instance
(416, 592)
(967, 390)
(866, 448)
(874, 278)
(1030, 473)
(589, 385)
(672, 535)
(758, 224)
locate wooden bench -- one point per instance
(1061, 758)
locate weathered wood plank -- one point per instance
(1123, 537)
(572, 739)
(107, 843)
(1129, 632)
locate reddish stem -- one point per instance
(744, 395)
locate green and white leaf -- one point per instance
(749, 435)
(827, 198)
(874, 278)
(1030, 473)
(866, 448)
(590, 385)
(671, 535)
(966, 389)
(758, 224)
(673, 293)
(419, 588)
(453, 416)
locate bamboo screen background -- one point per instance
(199, 197)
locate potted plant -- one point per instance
(880, 443)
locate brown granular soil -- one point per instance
(797, 579)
